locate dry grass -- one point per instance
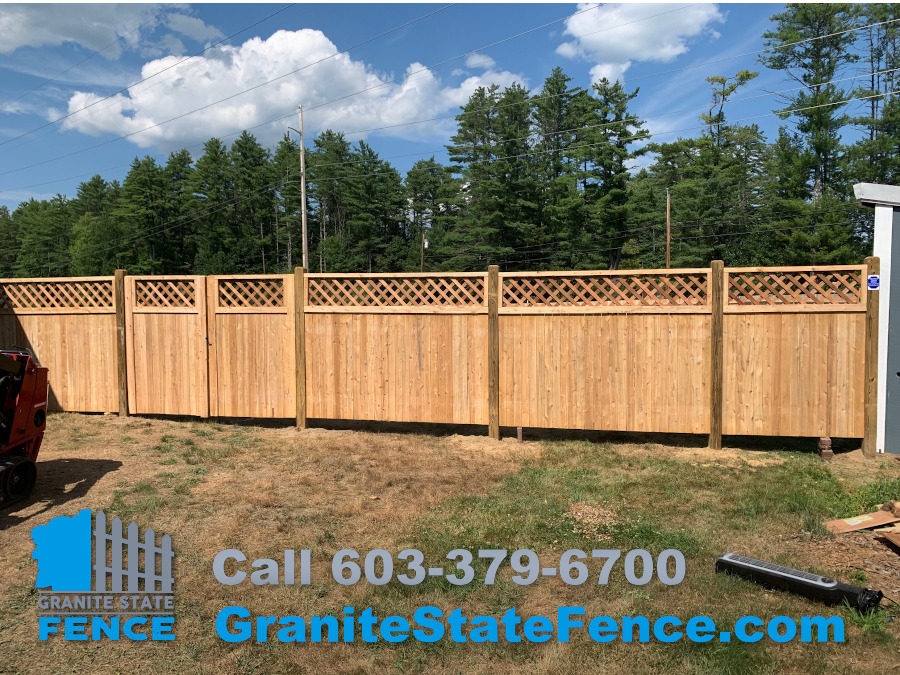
(264, 489)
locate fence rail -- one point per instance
(772, 351)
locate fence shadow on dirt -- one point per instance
(753, 443)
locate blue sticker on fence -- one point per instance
(874, 282)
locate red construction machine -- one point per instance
(23, 416)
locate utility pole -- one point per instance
(303, 189)
(422, 260)
(668, 227)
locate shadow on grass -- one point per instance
(51, 490)
(759, 443)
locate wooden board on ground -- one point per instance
(893, 537)
(862, 522)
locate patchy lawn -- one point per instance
(263, 489)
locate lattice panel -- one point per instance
(396, 292)
(165, 293)
(251, 292)
(57, 295)
(840, 287)
(585, 291)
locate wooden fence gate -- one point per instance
(251, 346)
(165, 328)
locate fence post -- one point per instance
(300, 344)
(493, 291)
(870, 363)
(121, 355)
(716, 352)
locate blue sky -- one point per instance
(399, 70)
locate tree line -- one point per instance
(560, 178)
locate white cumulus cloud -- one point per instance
(229, 70)
(612, 37)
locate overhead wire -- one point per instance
(514, 259)
(626, 120)
(619, 122)
(154, 18)
(666, 72)
(149, 77)
(636, 118)
(338, 178)
(471, 52)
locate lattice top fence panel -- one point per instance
(443, 291)
(803, 287)
(50, 295)
(251, 292)
(180, 293)
(610, 290)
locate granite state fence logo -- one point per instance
(95, 584)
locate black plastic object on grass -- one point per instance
(812, 586)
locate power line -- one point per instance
(666, 72)
(195, 216)
(765, 230)
(209, 105)
(191, 112)
(149, 77)
(625, 120)
(423, 69)
(620, 234)
(650, 135)
(152, 19)
(169, 225)
(590, 145)
(636, 118)
(511, 258)
(760, 51)
(528, 259)
(497, 107)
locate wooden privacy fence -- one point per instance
(782, 351)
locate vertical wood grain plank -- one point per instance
(300, 345)
(493, 353)
(129, 341)
(212, 336)
(870, 362)
(121, 351)
(287, 329)
(716, 352)
(200, 392)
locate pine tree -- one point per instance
(612, 139)
(95, 196)
(476, 238)
(287, 233)
(142, 211)
(811, 44)
(427, 203)
(96, 243)
(93, 245)
(9, 235)
(330, 165)
(182, 237)
(218, 242)
(558, 122)
(254, 203)
(44, 237)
